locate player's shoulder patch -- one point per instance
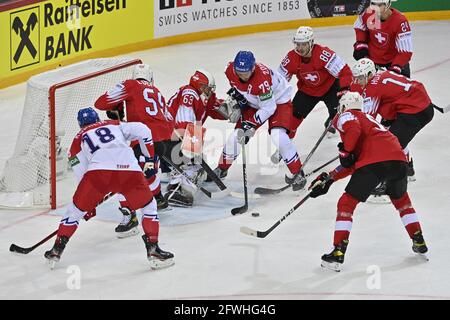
(266, 95)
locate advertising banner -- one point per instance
(175, 17)
(50, 32)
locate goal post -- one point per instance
(48, 126)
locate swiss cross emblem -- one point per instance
(312, 77)
(194, 139)
(381, 38)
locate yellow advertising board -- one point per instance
(46, 34)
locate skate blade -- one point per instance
(379, 199)
(422, 256)
(156, 264)
(52, 263)
(335, 266)
(129, 233)
(165, 210)
(411, 178)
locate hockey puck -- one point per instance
(255, 214)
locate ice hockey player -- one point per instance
(403, 104)
(370, 154)
(145, 104)
(263, 95)
(321, 75)
(383, 34)
(191, 104)
(103, 162)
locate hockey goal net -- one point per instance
(48, 126)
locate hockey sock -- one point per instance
(230, 152)
(286, 149)
(69, 223)
(154, 184)
(150, 221)
(407, 214)
(344, 221)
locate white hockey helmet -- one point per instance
(304, 34)
(386, 2)
(364, 67)
(202, 78)
(350, 100)
(143, 71)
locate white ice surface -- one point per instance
(213, 259)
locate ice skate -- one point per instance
(298, 181)
(55, 253)
(378, 195)
(129, 225)
(157, 257)
(419, 246)
(162, 203)
(410, 171)
(219, 172)
(335, 259)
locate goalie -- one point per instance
(189, 108)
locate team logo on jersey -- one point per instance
(381, 38)
(24, 38)
(311, 77)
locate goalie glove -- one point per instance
(230, 110)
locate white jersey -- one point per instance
(264, 91)
(105, 145)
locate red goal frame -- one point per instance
(52, 120)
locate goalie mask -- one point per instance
(349, 101)
(203, 82)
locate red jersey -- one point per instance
(390, 41)
(264, 91)
(367, 139)
(144, 103)
(389, 93)
(188, 106)
(317, 74)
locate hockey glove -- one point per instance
(396, 68)
(320, 185)
(361, 50)
(117, 113)
(240, 99)
(342, 91)
(346, 158)
(248, 130)
(149, 167)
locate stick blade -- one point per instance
(239, 210)
(240, 195)
(261, 190)
(17, 249)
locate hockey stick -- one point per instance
(244, 208)
(442, 110)
(17, 249)
(268, 191)
(213, 175)
(209, 194)
(263, 234)
(261, 190)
